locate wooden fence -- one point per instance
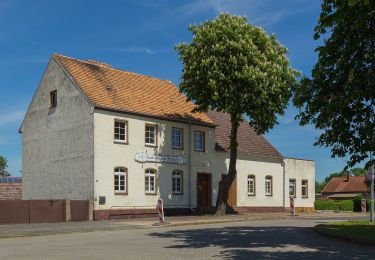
(43, 211)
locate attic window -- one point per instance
(53, 99)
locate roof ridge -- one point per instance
(108, 66)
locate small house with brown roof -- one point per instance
(124, 140)
(346, 187)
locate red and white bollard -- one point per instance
(292, 208)
(363, 206)
(160, 210)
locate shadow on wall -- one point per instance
(266, 243)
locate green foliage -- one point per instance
(337, 205)
(340, 96)
(235, 67)
(358, 204)
(3, 167)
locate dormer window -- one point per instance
(53, 99)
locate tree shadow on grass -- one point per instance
(266, 243)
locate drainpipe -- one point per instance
(283, 165)
(189, 162)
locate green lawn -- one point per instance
(360, 231)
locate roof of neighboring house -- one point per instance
(249, 142)
(123, 91)
(342, 185)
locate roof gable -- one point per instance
(249, 142)
(123, 91)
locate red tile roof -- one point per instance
(114, 89)
(249, 142)
(342, 185)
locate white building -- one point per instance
(125, 139)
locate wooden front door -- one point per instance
(232, 193)
(204, 190)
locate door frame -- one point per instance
(209, 189)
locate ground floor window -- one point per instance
(292, 187)
(120, 180)
(268, 185)
(251, 185)
(304, 186)
(150, 181)
(177, 178)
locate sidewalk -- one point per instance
(27, 230)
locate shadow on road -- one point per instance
(266, 243)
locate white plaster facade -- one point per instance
(69, 152)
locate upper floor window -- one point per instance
(53, 99)
(121, 182)
(268, 185)
(121, 131)
(199, 141)
(177, 178)
(292, 187)
(177, 138)
(150, 181)
(251, 185)
(304, 187)
(151, 134)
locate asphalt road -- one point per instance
(268, 239)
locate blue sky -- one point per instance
(140, 36)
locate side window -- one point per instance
(151, 134)
(292, 187)
(251, 185)
(53, 99)
(268, 185)
(177, 138)
(150, 181)
(121, 131)
(177, 182)
(305, 186)
(199, 141)
(121, 180)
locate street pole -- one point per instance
(372, 190)
(372, 193)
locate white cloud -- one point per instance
(13, 117)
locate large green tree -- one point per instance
(237, 68)
(3, 167)
(339, 98)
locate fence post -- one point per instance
(91, 210)
(68, 212)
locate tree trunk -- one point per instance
(227, 180)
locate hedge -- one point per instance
(341, 205)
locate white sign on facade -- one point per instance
(145, 157)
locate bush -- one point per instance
(357, 204)
(338, 205)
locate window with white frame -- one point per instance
(120, 131)
(120, 178)
(177, 182)
(199, 141)
(268, 185)
(292, 187)
(177, 138)
(251, 185)
(304, 186)
(150, 181)
(151, 134)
